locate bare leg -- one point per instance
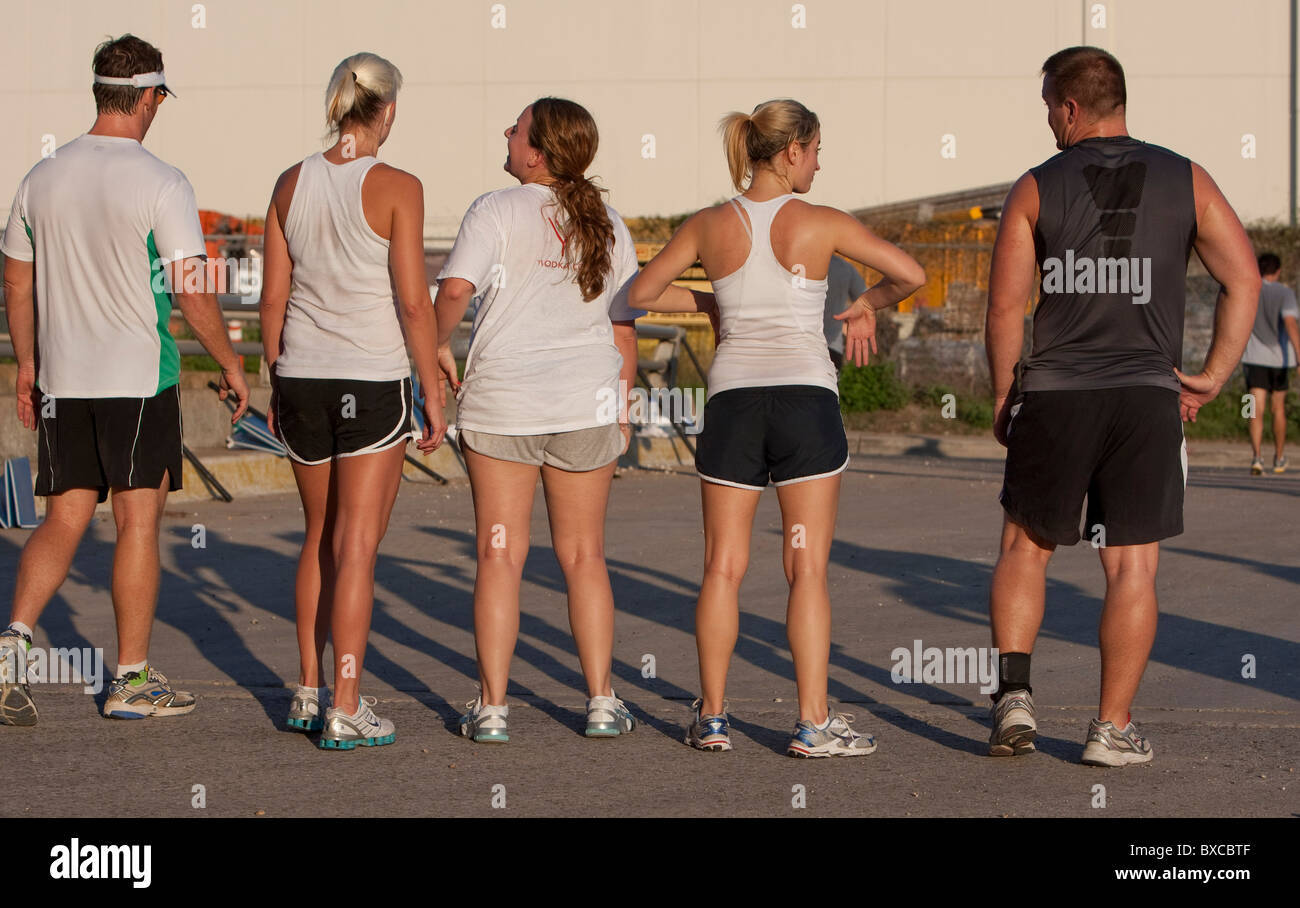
(1128, 625)
(1257, 421)
(1279, 423)
(47, 556)
(728, 523)
(575, 506)
(503, 509)
(313, 586)
(137, 513)
(366, 489)
(1019, 592)
(808, 511)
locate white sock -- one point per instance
(124, 670)
(20, 628)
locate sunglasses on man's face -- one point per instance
(161, 92)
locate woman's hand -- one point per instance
(435, 424)
(447, 367)
(859, 331)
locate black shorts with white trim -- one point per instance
(109, 443)
(319, 419)
(1120, 448)
(785, 433)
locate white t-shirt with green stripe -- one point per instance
(100, 218)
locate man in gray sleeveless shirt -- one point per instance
(1269, 359)
(1110, 223)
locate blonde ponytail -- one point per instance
(360, 88)
(751, 140)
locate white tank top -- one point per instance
(771, 318)
(341, 321)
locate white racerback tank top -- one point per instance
(771, 318)
(341, 321)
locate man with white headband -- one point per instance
(95, 232)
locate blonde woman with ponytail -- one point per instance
(773, 407)
(544, 394)
(337, 331)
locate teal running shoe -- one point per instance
(485, 723)
(305, 710)
(363, 728)
(608, 717)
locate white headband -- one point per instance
(140, 80)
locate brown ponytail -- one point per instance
(565, 133)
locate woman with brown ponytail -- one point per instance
(551, 357)
(773, 407)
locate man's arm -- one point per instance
(20, 310)
(1227, 254)
(203, 314)
(1011, 282)
(1293, 331)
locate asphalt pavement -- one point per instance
(915, 546)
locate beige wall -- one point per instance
(889, 79)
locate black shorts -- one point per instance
(1121, 447)
(105, 443)
(319, 419)
(1267, 377)
(790, 433)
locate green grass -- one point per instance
(875, 386)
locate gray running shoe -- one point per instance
(1257, 467)
(836, 739)
(1014, 728)
(1110, 746)
(16, 706)
(485, 723)
(1279, 464)
(608, 717)
(364, 728)
(147, 692)
(305, 710)
(709, 732)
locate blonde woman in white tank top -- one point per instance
(344, 300)
(773, 410)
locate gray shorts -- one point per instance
(579, 451)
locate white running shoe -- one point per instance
(345, 732)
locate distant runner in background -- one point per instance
(344, 298)
(97, 232)
(844, 284)
(1110, 223)
(1270, 356)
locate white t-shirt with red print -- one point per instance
(541, 359)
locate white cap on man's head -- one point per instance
(140, 80)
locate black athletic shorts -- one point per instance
(319, 419)
(1267, 377)
(790, 433)
(108, 443)
(1121, 447)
